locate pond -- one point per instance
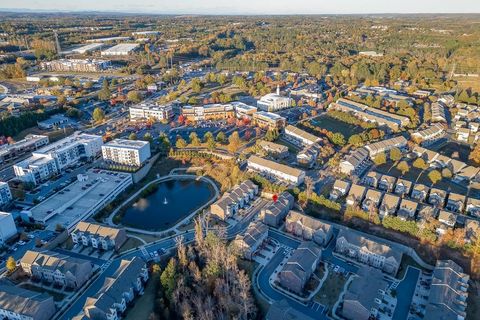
(171, 202)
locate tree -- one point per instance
(207, 136)
(169, 277)
(435, 176)
(419, 163)
(180, 143)
(338, 139)
(211, 144)
(105, 93)
(403, 167)
(475, 154)
(355, 140)
(134, 96)
(132, 136)
(221, 138)
(234, 142)
(380, 159)
(194, 140)
(395, 154)
(11, 264)
(98, 115)
(272, 135)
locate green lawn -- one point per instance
(144, 305)
(407, 261)
(334, 125)
(130, 244)
(331, 289)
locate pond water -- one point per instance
(170, 203)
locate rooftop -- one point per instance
(127, 144)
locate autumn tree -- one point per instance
(403, 167)
(194, 140)
(98, 115)
(419, 163)
(234, 142)
(434, 176)
(395, 154)
(180, 143)
(475, 154)
(380, 159)
(11, 264)
(221, 138)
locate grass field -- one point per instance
(334, 125)
(331, 289)
(143, 306)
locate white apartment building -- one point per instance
(53, 158)
(150, 111)
(127, 152)
(7, 226)
(5, 194)
(280, 171)
(300, 137)
(29, 143)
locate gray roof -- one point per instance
(302, 260)
(21, 301)
(307, 221)
(54, 261)
(281, 310)
(255, 231)
(365, 288)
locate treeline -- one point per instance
(12, 126)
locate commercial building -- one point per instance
(81, 199)
(300, 137)
(274, 149)
(52, 267)
(122, 49)
(208, 112)
(55, 121)
(108, 39)
(7, 226)
(386, 145)
(249, 242)
(88, 48)
(146, 111)
(308, 228)
(117, 292)
(364, 295)
(30, 143)
(274, 213)
(132, 153)
(76, 65)
(277, 170)
(369, 114)
(367, 251)
(299, 267)
(5, 194)
(98, 236)
(55, 157)
(274, 102)
(20, 304)
(243, 110)
(268, 120)
(448, 292)
(237, 198)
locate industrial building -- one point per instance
(122, 49)
(88, 48)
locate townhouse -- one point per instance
(274, 213)
(98, 236)
(274, 149)
(386, 145)
(355, 195)
(438, 112)
(429, 135)
(448, 292)
(56, 268)
(237, 198)
(253, 238)
(117, 292)
(308, 228)
(355, 163)
(277, 170)
(300, 137)
(379, 255)
(20, 304)
(299, 267)
(340, 189)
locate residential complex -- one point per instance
(76, 65)
(52, 267)
(300, 137)
(132, 153)
(274, 213)
(5, 194)
(55, 157)
(30, 143)
(7, 227)
(274, 149)
(277, 170)
(208, 112)
(98, 236)
(235, 199)
(17, 303)
(146, 111)
(118, 290)
(252, 239)
(308, 228)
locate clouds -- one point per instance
(251, 6)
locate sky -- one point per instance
(217, 7)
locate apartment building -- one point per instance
(21, 304)
(355, 163)
(111, 301)
(277, 170)
(308, 228)
(243, 110)
(274, 213)
(375, 254)
(237, 198)
(208, 112)
(55, 157)
(299, 267)
(274, 102)
(448, 292)
(429, 135)
(386, 145)
(253, 238)
(52, 267)
(98, 236)
(132, 153)
(274, 149)
(300, 137)
(268, 120)
(76, 65)
(30, 143)
(7, 227)
(5, 194)
(147, 111)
